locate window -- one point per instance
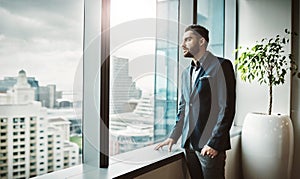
(2, 154)
(211, 15)
(15, 120)
(58, 47)
(3, 120)
(22, 119)
(143, 72)
(3, 161)
(3, 168)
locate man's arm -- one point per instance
(177, 130)
(226, 101)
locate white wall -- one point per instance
(258, 19)
(295, 105)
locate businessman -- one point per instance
(206, 108)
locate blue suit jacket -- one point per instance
(206, 109)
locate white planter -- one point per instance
(267, 146)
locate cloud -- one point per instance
(43, 37)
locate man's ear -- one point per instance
(201, 41)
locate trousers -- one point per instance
(204, 167)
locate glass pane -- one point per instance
(40, 85)
(210, 14)
(143, 72)
(166, 69)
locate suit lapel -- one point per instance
(195, 86)
(188, 81)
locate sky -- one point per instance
(45, 38)
(140, 52)
(42, 37)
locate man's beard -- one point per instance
(188, 55)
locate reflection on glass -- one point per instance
(210, 14)
(143, 78)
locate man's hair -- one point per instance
(199, 30)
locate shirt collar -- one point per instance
(200, 62)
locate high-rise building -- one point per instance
(28, 141)
(8, 82)
(122, 88)
(132, 130)
(47, 95)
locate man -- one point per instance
(206, 108)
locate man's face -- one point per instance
(190, 44)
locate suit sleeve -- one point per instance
(226, 102)
(177, 130)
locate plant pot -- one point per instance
(267, 146)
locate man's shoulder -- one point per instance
(221, 60)
(224, 61)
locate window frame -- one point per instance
(96, 45)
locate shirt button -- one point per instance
(191, 104)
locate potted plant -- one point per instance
(267, 139)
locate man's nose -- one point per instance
(182, 44)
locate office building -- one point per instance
(122, 88)
(31, 144)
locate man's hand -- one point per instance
(207, 150)
(168, 142)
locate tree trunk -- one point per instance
(271, 98)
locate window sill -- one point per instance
(129, 164)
